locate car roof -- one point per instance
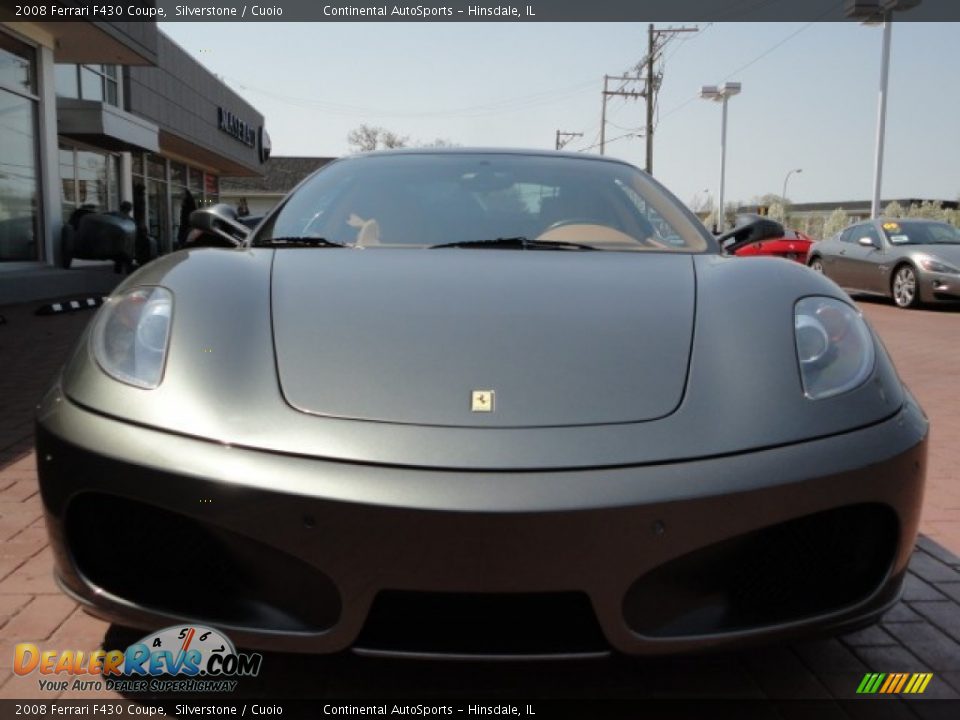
(904, 219)
(486, 151)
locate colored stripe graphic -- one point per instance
(870, 683)
(903, 681)
(894, 683)
(918, 683)
(892, 680)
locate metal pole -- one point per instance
(603, 116)
(783, 195)
(881, 115)
(650, 96)
(721, 214)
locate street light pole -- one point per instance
(721, 94)
(881, 115)
(783, 195)
(871, 12)
(721, 208)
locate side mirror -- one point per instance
(220, 221)
(867, 242)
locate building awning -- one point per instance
(176, 145)
(114, 43)
(105, 126)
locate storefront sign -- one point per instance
(236, 128)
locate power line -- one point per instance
(608, 141)
(563, 138)
(755, 60)
(626, 81)
(657, 41)
(505, 105)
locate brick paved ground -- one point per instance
(922, 633)
(925, 346)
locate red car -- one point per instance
(756, 235)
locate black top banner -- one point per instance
(488, 709)
(465, 11)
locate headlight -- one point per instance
(131, 335)
(834, 347)
(933, 265)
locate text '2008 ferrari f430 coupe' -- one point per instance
(480, 403)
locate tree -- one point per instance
(437, 143)
(367, 138)
(927, 209)
(814, 225)
(835, 223)
(777, 211)
(731, 214)
(363, 138)
(701, 204)
(390, 140)
(893, 209)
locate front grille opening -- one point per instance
(801, 568)
(482, 624)
(170, 563)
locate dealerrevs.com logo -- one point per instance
(175, 659)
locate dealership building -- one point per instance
(95, 113)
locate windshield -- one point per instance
(909, 232)
(491, 200)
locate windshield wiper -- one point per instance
(520, 242)
(301, 242)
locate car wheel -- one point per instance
(817, 265)
(904, 287)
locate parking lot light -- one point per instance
(721, 94)
(873, 12)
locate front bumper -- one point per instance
(297, 554)
(938, 287)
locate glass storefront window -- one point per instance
(156, 167)
(196, 181)
(137, 163)
(212, 188)
(88, 82)
(178, 173)
(91, 85)
(66, 81)
(183, 203)
(68, 178)
(19, 196)
(16, 66)
(158, 214)
(88, 177)
(113, 182)
(92, 180)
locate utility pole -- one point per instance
(656, 43)
(565, 137)
(621, 92)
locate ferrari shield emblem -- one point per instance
(481, 401)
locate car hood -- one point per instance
(407, 336)
(947, 253)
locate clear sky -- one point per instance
(809, 95)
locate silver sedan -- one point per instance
(910, 260)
